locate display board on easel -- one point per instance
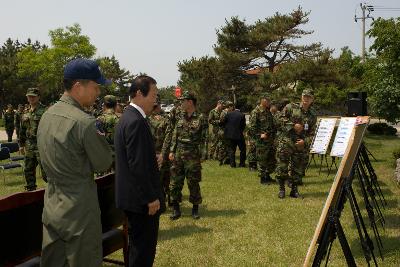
(351, 145)
(323, 136)
(342, 137)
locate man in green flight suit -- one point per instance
(28, 138)
(72, 149)
(263, 129)
(213, 119)
(297, 126)
(188, 135)
(9, 122)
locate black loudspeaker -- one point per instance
(357, 104)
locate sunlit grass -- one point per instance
(245, 224)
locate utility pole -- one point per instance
(364, 8)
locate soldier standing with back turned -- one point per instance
(28, 138)
(213, 119)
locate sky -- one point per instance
(152, 36)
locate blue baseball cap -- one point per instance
(85, 69)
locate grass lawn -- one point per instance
(245, 224)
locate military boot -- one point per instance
(195, 212)
(30, 187)
(176, 211)
(294, 193)
(268, 179)
(263, 179)
(281, 188)
(253, 166)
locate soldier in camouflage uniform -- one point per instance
(263, 129)
(223, 143)
(18, 118)
(158, 124)
(173, 116)
(109, 119)
(28, 138)
(297, 126)
(213, 119)
(252, 153)
(188, 135)
(9, 122)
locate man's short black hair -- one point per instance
(141, 83)
(68, 83)
(110, 105)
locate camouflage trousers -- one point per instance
(265, 157)
(252, 153)
(223, 149)
(291, 161)
(213, 145)
(17, 132)
(186, 165)
(165, 176)
(10, 132)
(32, 160)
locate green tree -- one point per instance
(204, 76)
(12, 87)
(382, 77)
(46, 66)
(120, 77)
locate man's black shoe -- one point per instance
(176, 212)
(30, 188)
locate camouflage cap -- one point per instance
(32, 92)
(229, 104)
(188, 96)
(221, 101)
(110, 100)
(307, 92)
(158, 100)
(265, 95)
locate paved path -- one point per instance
(3, 135)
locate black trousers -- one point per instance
(232, 150)
(143, 232)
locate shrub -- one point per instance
(382, 129)
(396, 153)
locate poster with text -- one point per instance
(342, 137)
(323, 136)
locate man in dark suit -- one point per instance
(138, 186)
(234, 124)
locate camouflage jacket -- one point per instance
(29, 125)
(9, 119)
(262, 121)
(189, 132)
(292, 114)
(214, 120)
(158, 126)
(171, 121)
(18, 117)
(108, 120)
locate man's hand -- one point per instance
(154, 207)
(171, 156)
(298, 128)
(22, 150)
(264, 136)
(300, 144)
